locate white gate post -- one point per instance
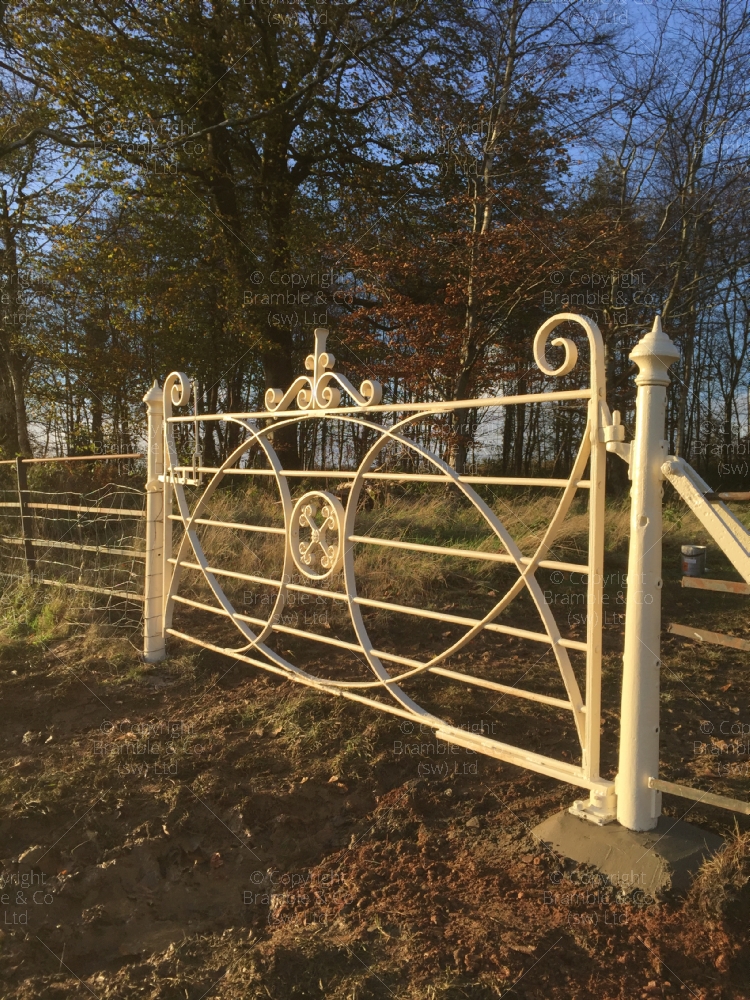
(638, 806)
(153, 610)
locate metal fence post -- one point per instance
(153, 605)
(27, 529)
(638, 806)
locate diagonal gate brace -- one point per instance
(728, 532)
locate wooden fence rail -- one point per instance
(34, 547)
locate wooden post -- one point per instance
(27, 529)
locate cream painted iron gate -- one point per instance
(319, 539)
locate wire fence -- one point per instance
(76, 524)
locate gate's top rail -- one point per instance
(438, 406)
(414, 477)
(321, 391)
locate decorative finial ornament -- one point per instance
(315, 392)
(653, 354)
(154, 394)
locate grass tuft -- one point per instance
(723, 880)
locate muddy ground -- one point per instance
(201, 829)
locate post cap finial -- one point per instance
(655, 348)
(154, 394)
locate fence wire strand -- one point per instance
(77, 551)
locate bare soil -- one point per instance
(201, 829)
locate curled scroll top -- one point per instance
(177, 389)
(540, 351)
(322, 389)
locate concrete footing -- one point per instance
(659, 860)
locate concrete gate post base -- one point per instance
(654, 861)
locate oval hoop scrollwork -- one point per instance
(319, 515)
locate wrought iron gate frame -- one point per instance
(318, 397)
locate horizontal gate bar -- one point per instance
(544, 699)
(703, 635)
(412, 546)
(248, 577)
(570, 773)
(230, 524)
(440, 406)
(500, 557)
(328, 640)
(394, 477)
(469, 622)
(399, 608)
(710, 799)
(723, 586)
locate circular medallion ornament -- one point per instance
(316, 536)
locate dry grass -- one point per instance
(30, 613)
(443, 520)
(256, 747)
(723, 879)
(438, 518)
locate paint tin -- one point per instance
(693, 560)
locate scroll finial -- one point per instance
(315, 392)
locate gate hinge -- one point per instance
(612, 433)
(601, 806)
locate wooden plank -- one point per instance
(88, 510)
(51, 544)
(73, 458)
(708, 798)
(703, 635)
(92, 590)
(722, 586)
(79, 586)
(734, 496)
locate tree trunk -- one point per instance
(8, 426)
(14, 358)
(15, 368)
